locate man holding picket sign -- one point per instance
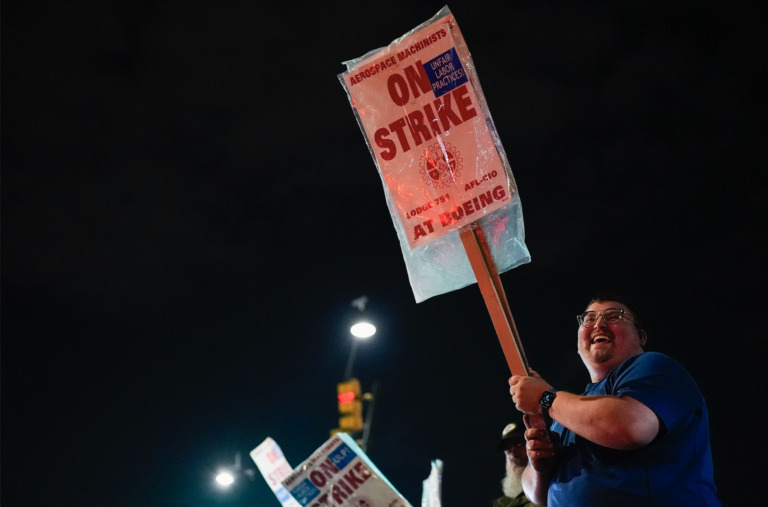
(638, 436)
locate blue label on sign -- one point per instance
(445, 72)
(341, 456)
(305, 492)
(282, 495)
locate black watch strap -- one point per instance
(546, 400)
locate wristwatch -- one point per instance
(547, 398)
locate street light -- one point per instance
(226, 476)
(225, 479)
(350, 396)
(363, 330)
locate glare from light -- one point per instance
(363, 330)
(225, 479)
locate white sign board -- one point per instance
(340, 474)
(274, 467)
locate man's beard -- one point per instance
(512, 484)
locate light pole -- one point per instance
(350, 396)
(361, 331)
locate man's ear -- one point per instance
(643, 338)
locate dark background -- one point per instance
(188, 209)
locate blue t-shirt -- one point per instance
(673, 470)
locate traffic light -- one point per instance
(350, 406)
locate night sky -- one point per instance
(189, 207)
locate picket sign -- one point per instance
(423, 114)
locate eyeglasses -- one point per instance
(610, 316)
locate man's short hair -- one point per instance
(611, 296)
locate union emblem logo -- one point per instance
(440, 165)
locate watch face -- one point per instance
(547, 399)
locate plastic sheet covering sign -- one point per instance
(340, 474)
(420, 106)
(274, 467)
(432, 486)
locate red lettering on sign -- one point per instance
(388, 144)
(398, 89)
(463, 103)
(468, 208)
(328, 468)
(417, 127)
(353, 479)
(431, 118)
(499, 193)
(417, 78)
(344, 485)
(445, 218)
(397, 127)
(402, 55)
(337, 494)
(317, 478)
(362, 470)
(445, 112)
(486, 199)
(418, 232)
(371, 71)
(415, 120)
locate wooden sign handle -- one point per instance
(493, 293)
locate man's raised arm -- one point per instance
(610, 421)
